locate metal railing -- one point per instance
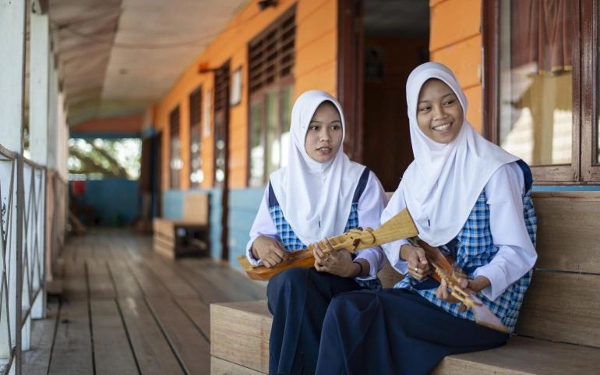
(23, 255)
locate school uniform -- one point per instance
(471, 199)
(304, 203)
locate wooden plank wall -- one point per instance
(563, 301)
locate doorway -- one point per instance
(390, 38)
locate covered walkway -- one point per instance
(127, 310)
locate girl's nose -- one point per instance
(439, 112)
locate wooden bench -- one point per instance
(188, 236)
(558, 331)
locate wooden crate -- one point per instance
(189, 236)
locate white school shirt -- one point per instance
(516, 254)
(370, 205)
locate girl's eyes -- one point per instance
(318, 127)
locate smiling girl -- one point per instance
(466, 196)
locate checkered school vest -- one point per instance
(292, 243)
(473, 247)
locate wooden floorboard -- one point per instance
(125, 309)
(152, 350)
(37, 359)
(72, 348)
(112, 351)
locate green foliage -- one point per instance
(105, 158)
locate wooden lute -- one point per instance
(397, 227)
(442, 267)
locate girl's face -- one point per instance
(324, 134)
(439, 113)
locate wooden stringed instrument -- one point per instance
(397, 227)
(443, 269)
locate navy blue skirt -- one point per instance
(298, 299)
(394, 331)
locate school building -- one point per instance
(218, 125)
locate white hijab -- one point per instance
(442, 184)
(315, 197)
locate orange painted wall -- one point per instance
(455, 41)
(315, 67)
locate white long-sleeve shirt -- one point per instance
(516, 254)
(370, 206)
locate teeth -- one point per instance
(441, 127)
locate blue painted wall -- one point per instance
(172, 204)
(243, 204)
(116, 201)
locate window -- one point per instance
(175, 162)
(540, 103)
(196, 175)
(271, 65)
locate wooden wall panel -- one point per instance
(562, 307)
(568, 229)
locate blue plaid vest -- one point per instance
(473, 247)
(292, 243)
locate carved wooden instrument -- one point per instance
(443, 270)
(399, 226)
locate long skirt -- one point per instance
(298, 299)
(394, 331)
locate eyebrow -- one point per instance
(320, 122)
(443, 97)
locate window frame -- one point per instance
(174, 133)
(275, 48)
(195, 119)
(583, 168)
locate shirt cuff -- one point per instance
(497, 281)
(250, 256)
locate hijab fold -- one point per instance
(442, 184)
(315, 197)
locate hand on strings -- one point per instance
(418, 266)
(338, 262)
(269, 250)
(443, 291)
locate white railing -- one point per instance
(23, 255)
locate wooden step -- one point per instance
(240, 344)
(239, 334)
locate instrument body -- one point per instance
(443, 269)
(399, 226)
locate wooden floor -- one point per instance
(127, 310)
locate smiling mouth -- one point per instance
(441, 128)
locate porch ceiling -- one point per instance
(116, 57)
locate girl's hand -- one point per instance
(475, 285)
(418, 266)
(270, 251)
(337, 262)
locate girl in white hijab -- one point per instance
(320, 194)
(468, 197)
